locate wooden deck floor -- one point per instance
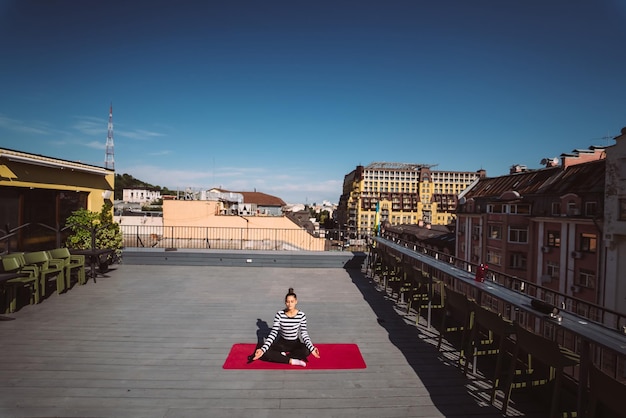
(150, 341)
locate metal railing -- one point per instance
(31, 236)
(589, 310)
(34, 236)
(611, 361)
(197, 237)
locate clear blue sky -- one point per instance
(286, 97)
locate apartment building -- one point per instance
(141, 196)
(546, 225)
(404, 193)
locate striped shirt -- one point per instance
(289, 329)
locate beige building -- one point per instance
(206, 224)
(182, 219)
(405, 194)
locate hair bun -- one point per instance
(290, 290)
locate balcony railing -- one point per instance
(609, 318)
(611, 361)
(222, 238)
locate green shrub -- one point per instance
(94, 229)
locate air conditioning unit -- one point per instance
(546, 278)
(576, 289)
(576, 254)
(545, 249)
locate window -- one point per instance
(494, 257)
(519, 209)
(554, 239)
(518, 235)
(495, 208)
(552, 269)
(586, 278)
(572, 209)
(495, 231)
(591, 209)
(556, 209)
(517, 261)
(588, 243)
(622, 209)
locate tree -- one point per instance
(94, 230)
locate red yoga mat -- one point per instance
(332, 356)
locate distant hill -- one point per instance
(126, 181)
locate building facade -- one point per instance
(546, 226)
(141, 196)
(404, 194)
(39, 193)
(614, 240)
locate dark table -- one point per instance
(94, 257)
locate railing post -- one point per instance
(58, 234)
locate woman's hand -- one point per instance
(316, 353)
(257, 354)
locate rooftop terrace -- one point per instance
(150, 341)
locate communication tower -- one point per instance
(109, 161)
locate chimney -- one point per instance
(517, 168)
(583, 156)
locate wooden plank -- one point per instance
(150, 340)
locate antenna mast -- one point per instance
(109, 161)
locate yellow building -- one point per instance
(404, 193)
(38, 193)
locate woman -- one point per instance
(293, 344)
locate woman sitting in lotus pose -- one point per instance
(293, 344)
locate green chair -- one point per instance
(47, 268)
(490, 335)
(394, 274)
(538, 349)
(14, 263)
(72, 263)
(427, 294)
(418, 292)
(458, 318)
(405, 284)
